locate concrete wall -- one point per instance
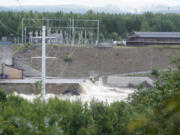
(103, 61)
(6, 55)
(31, 88)
(128, 82)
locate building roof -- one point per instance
(5, 43)
(11, 66)
(157, 34)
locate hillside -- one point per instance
(100, 60)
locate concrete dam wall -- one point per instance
(31, 88)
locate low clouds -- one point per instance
(136, 4)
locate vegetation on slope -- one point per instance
(153, 111)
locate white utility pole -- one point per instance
(22, 31)
(43, 75)
(85, 37)
(97, 32)
(25, 34)
(43, 62)
(73, 30)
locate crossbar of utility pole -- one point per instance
(88, 28)
(31, 19)
(41, 58)
(45, 37)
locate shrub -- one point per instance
(56, 46)
(2, 96)
(82, 131)
(38, 86)
(67, 57)
(155, 72)
(27, 45)
(117, 54)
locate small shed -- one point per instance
(11, 72)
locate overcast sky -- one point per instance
(93, 3)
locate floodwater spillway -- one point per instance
(72, 90)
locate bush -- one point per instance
(83, 131)
(2, 96)
(26, 45)
(117, 54)
(38, 86)
(155, 73)
(56, 46)
(67, 57)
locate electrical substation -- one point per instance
(64, 31)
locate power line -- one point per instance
(8, 29)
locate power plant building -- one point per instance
(153, 38)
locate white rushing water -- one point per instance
(90, 91)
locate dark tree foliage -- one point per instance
(2, 96)
(158, 109)
(112, 26)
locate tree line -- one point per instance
(112, 26)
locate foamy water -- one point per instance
(90, 92)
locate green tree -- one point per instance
(157, 109)
(145, 27)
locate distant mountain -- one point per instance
(83, 9)
(4, 8)
(63, 8)
(108, 9)
(164, 9)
